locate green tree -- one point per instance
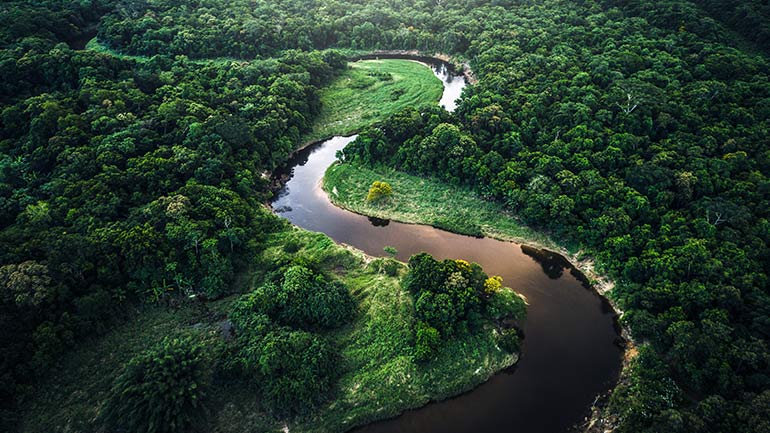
(161, 390)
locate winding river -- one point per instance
(569, 355)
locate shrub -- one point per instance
(304, 300)
(311, 301)
(493, 285)
(160, 390)
(301, 367)
(390, 251)
(378, 191)
(294, 370)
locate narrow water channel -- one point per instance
(569, 355)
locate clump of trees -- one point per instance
(128, 182)
(278, 348)
(453, 297)
(161, 390)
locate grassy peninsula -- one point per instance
(370, 91)
(425, 201)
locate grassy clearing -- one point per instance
(380, 378)
(372, 90)
(98, 47)
(426, 201)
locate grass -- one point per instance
(98, 47)
(370, 91)
(426, 201)
(380, 379)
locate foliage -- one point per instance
(390, 251)
(633, 129)
(160, 390)
(293, 369)
(508, 340)
(427, 341)
(620, 127)
(450, 299)
(505, 304)
(303, 299)
(375, 373)
(129, 182)
(379, 191)
(493, 285)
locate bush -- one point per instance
(310, 301)
(304, 300)
(378, 191)
(294, 370)
(299, 368)
(160, 390)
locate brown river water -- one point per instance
(569, 354)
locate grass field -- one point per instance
(380, 379)
(98, 47)
(426, 201)
(372, 90)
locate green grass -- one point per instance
(426, 201)
(98, 47)
(370, 91)
(380, 379)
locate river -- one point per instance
(569, 354)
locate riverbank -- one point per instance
(418, 200)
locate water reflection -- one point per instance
(378, 222)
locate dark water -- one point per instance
(568, 354)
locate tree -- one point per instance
(378, 191)
(161, 390)
(493, 285)
(26, 284)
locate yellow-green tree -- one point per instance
(378, 191)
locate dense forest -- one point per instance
(638, 130)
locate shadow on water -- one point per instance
(378, 222)
(554, 264)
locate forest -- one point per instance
(137, 177)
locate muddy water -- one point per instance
(569, 355)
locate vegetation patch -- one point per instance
(421, 200)
(372, 90)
